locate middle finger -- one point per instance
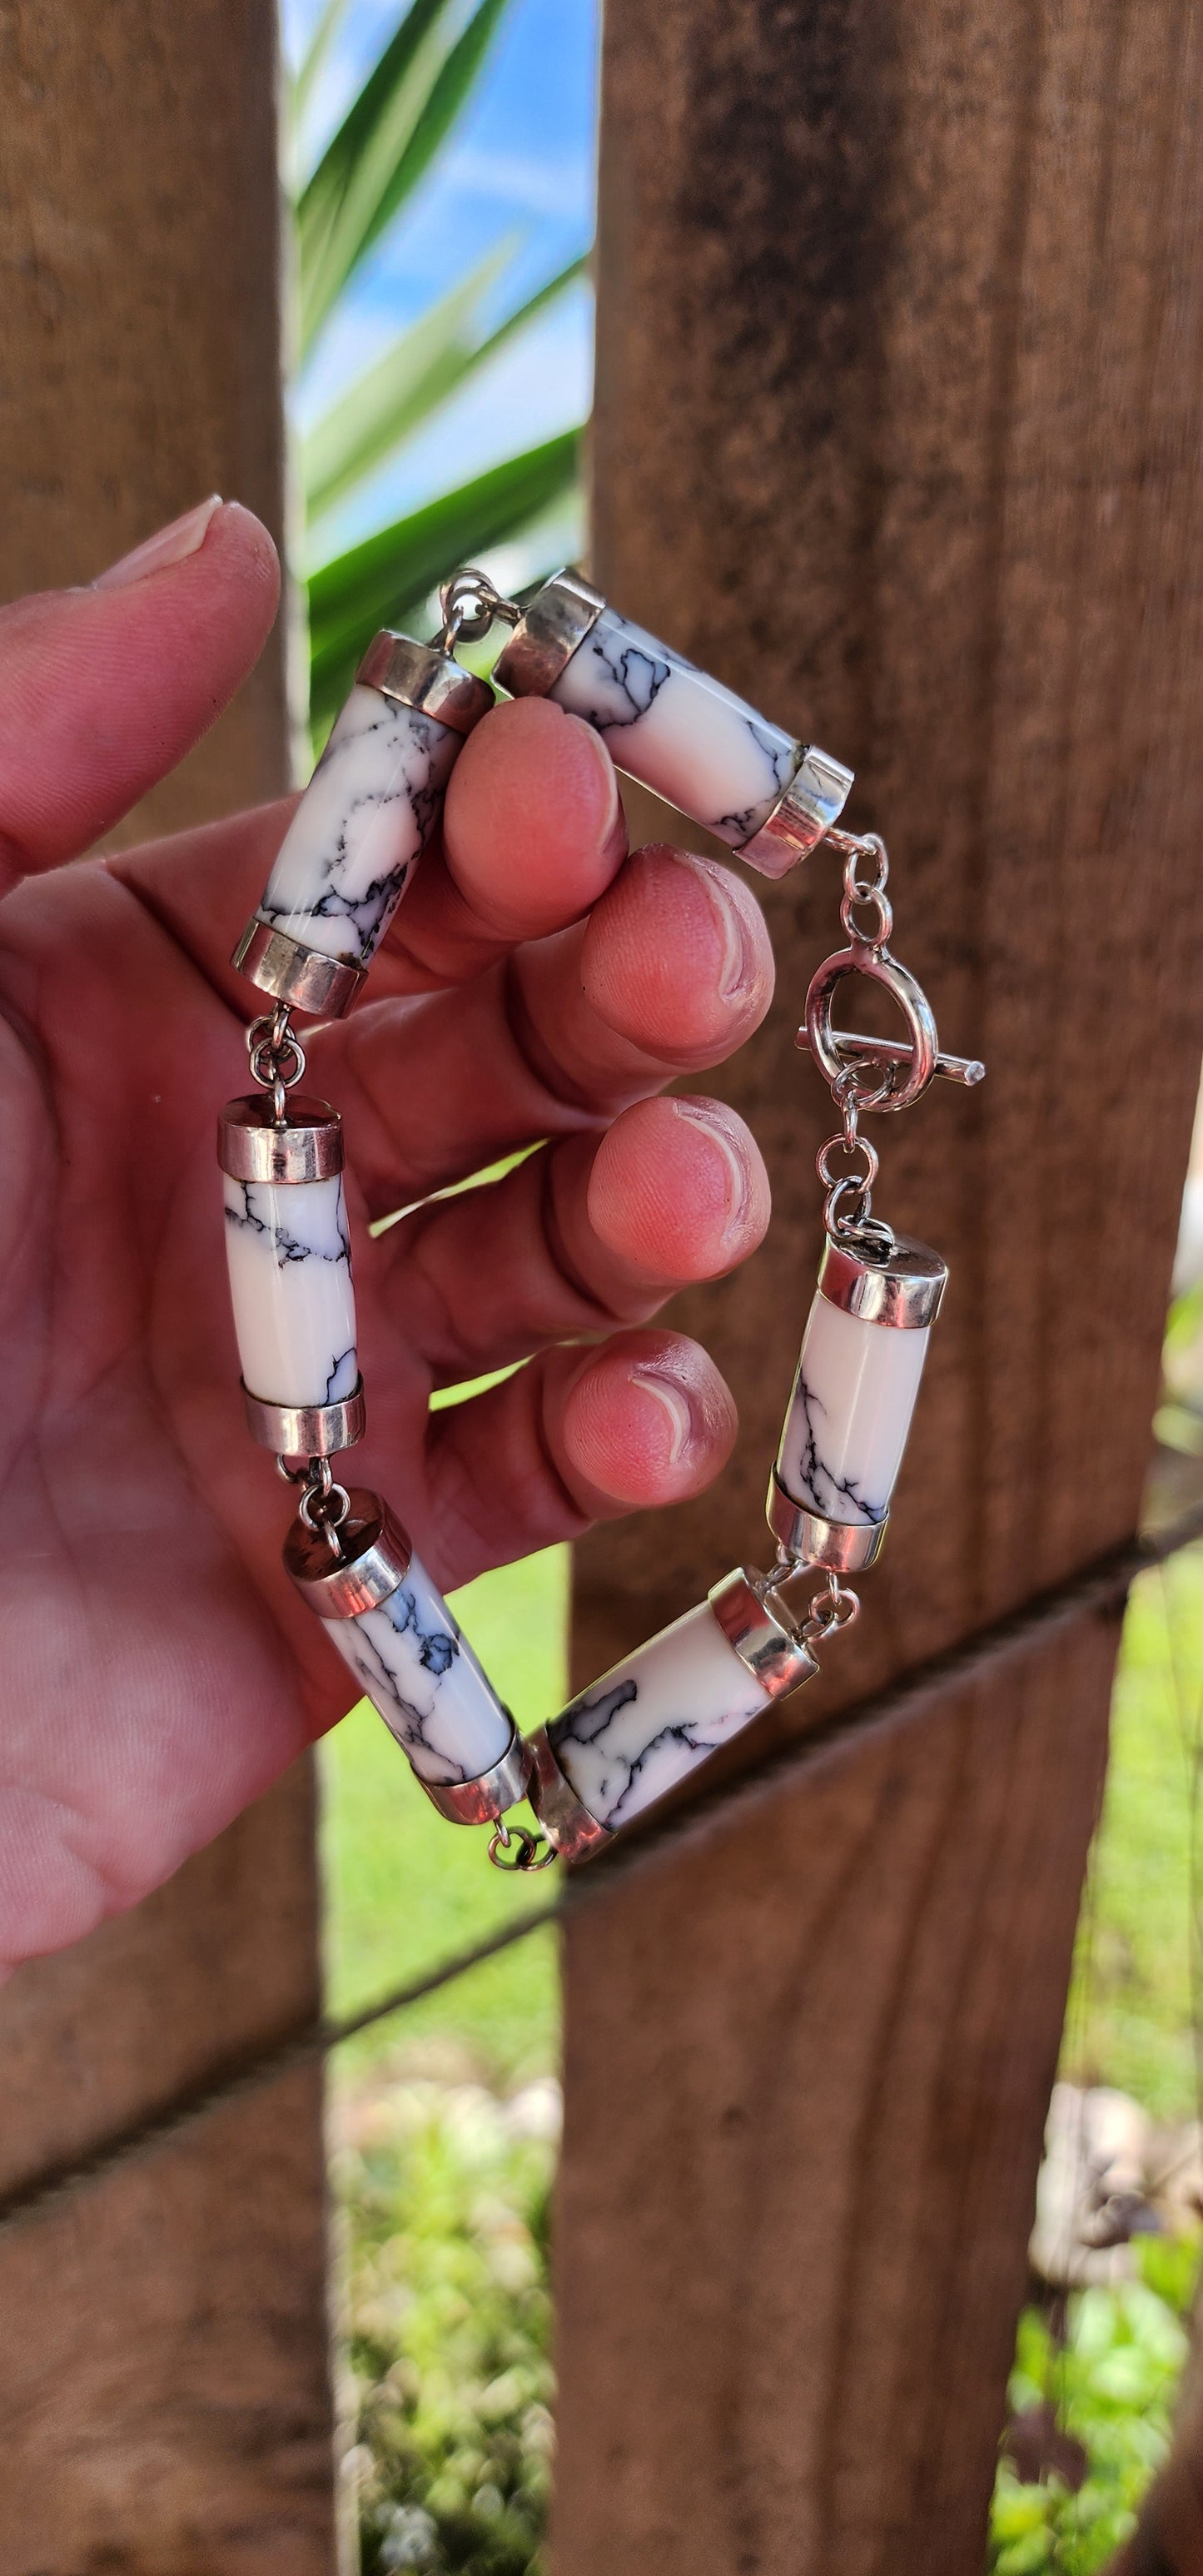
(670, 973)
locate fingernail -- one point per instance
(674, 1405)
(614, 829)
(738, 969)
(170, 545)
(699, 1114)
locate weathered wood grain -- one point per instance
(140, 226)
(900, 376)
(800, 2152)
(164, 2408)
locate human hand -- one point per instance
(538, 988)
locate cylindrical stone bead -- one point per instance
(687, 737)
(658, 1714)
(858, 1376)
(290, 1282)
(849, 1415)
(362, 823)
(355, 839)
(288, 1249)
(411, 1657)
(681, 732)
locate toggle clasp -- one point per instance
(907, 1066)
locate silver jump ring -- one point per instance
(876, 1236)
(872, 847)
(850, 1096)
(270, 1054)
(324, 1505)
(849, 1224)
(846, 1225)
(853, 849)
(858, 900)
(870, 888)
(471, 603)
(504, 1837)
(847, 1180)
(834, 1606)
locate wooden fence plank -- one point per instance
(788, 2288)
(900, 379)
(164, 2408)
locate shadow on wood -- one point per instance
(898, 424)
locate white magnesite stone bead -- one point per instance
(651, 1720)
(687, 737)
(414, 1662)
(290, 1281)
(849, 1414)
(356, 836)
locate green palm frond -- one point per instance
(317, 54)
(423, 368)
(386, 143)
(406, 109)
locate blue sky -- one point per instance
(520, 168)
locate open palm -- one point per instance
(539, 988)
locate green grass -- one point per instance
(1130, 2016)
(404, 1888)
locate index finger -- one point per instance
(533, 832)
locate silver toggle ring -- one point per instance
(825, 1043)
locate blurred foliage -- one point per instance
(1110, 2384)
(1179, 1418)
(445, 2191)
(1131, 2017)
(408, 107)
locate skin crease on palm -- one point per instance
(539, 987)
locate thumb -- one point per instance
(103, 690)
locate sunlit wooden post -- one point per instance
(899, 418)
(163, 2384)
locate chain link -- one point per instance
(864, 891)
(530, 1851)
(276, 1057)
(323, 1505)
(848, 1199)
(855, 1188)
(833, 1607)
(471, 603)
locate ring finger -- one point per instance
(585, 1234)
